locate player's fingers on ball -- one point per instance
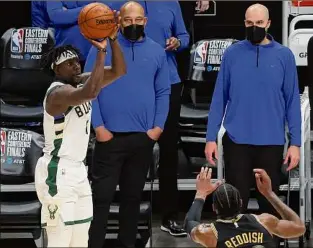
(93, 42)
(84, 35)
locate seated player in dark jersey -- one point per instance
(232, 229)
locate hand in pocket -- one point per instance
(102, 134)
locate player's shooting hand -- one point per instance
(292, 157)
(117, 27)
(172, 44)
(204, 184)
(263, 182)
(102, 44)
(99, 44)
(114, 33)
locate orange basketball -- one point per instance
(96, 21)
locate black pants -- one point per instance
(168, 144)
(240, 160)
(183, 57)
(124, 160)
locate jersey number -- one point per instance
(87, 127)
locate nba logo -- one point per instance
(17, 41)
(3, 139)
(201, 52)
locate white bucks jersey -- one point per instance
(67, 135)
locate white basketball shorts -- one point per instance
(63, 181)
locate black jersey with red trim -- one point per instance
(243, 231)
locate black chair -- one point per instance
(19, 206)
(205, 59)
(23, 83)
(23, 80)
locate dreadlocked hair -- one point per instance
(53, 54)
(227, 201)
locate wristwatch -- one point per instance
(104, 50)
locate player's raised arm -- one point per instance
(291, 226)
(66, 66)
(118, 68)
(201, 233)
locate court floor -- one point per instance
(160, 240)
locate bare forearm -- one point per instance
(284, 211)
(118, 62)
(91, 87)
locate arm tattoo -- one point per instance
(284, 211)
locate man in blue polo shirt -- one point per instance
(128, 119)
(259, 85)
(166, 27)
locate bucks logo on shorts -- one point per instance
(52, 208)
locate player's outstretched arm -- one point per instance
(291, 226)
(204, 235)
(198, 232)
(201, 233)
(61, 98)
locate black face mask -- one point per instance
(133, 32)
(255, 34)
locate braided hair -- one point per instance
(227, 201)
(52, 55)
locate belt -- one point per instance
(121, 134)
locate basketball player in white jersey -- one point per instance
(61, 177)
